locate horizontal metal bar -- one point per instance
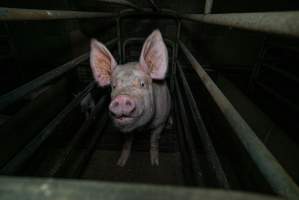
(277, 177)
(49, 189)
(12, 14)
(120, 2)
(15, 163)
(19, 92)
(285, 23)
(167, 13)
(207, 144)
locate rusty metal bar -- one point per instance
(19, 92)
(277, 177)
(285, 23)
(208, 6)
(207, 143)
(120, 2)
(12, 14)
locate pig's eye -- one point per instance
(113, 86)
(142, 84)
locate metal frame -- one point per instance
(276, 176)
(36, 83)
(203, 133)
(120, 2)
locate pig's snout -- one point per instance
(122, 105)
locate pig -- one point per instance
(140, 98)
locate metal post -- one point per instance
(277, 177)
(118, 32)
(12, 14)
(285, 23)
(208, 6)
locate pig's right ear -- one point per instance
(102, 63)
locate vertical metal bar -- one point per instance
(176, 52)
(118, 32)
(276, 176)
(203, 133)
(208, 6)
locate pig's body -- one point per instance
(140, 98)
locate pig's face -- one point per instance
(132, 100)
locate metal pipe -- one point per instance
(16, 162)
(118, 32)
(207, 143)
(154, 5)
(198, 176)
(285, 23)
(140, 39)
(49, 189)
(13, 14)
(58, 168)
(208, 6)
(120, 2)
(19, 92)
(277, 177)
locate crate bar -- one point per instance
(285, 23)
(49, 189)
(196, 166)
(154, 5)
(19, 92)
(16, 162)
(203, 133)
(277, 177)
(65, 156)
(208, 6)
(13, 14)
(121, 2)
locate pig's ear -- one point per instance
(102, 63)
(154, 56)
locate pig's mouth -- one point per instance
(123, 119)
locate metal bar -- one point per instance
(121, 2)
(19, 92)
(118, 32)
(15, 163)
(154, 5)
(13, 14)
(83, 159)
(206, 141)
(277, 177)
(208, 6)
(78, 137)
(163, 13)
(285, 23)
(286, 74)
(49, 189)
(277, 95)
(198, 176)
(140, 39)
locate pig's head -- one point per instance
(132, 101)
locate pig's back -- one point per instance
(162, 103)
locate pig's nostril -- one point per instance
(128, 103)
(115, 104)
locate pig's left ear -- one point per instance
(154, 56)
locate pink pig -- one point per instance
(140, 96)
